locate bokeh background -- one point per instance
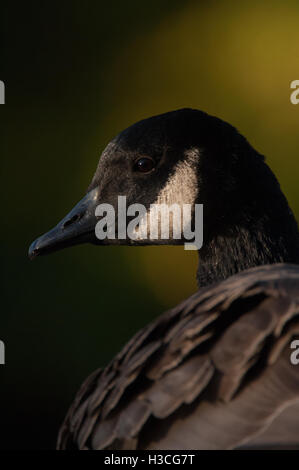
(77, 73)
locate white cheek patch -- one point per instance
(182, 186)
(173, 209)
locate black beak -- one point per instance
(76, 228)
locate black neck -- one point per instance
(268, 239)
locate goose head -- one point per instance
(184, 158)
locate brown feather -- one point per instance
(213, 373)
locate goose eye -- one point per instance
(144, 165)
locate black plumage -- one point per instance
(215, 371)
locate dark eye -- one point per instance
(144, 165)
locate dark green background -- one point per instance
(76, 73)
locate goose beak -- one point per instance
(77, 227)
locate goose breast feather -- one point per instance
(212, 373)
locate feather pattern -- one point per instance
(213, 373)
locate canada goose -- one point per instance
(215, 372)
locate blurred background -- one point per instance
(77, 73)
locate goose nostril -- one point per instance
(72, 220)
